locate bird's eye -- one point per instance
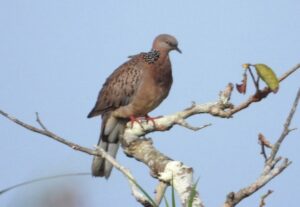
(169, 43)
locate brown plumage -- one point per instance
(134, 89)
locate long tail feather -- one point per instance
(109, 141)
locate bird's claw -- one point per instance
(139, 120)
(135, 119)
(152, 119)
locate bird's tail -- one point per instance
(109, 141)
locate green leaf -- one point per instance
(268, 76)
(166, 202)
(143, 191)
(193, 194)
(173, 193)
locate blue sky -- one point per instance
(55, 55)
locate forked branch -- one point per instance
(166, 169)
(273, 165)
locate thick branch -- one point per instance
(163, 167)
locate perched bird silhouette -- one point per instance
(132, 90)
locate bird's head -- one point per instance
(165, 43)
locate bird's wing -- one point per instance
(120, 87)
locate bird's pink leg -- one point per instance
(152, 119)
(135, 119)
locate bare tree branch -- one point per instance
(49, 134)
(289, 72)
(259, 95)
(140, 197)
(143, 150)
(221, 108)
(271, 168)
(164, 168)
(161, 166)
(264, 143)
(185, 124)
(263, 198)
(286, 129)
(38, 120)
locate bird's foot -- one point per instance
(135, 119)
(152, 119)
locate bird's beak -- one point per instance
(178, 50)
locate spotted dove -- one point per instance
(132, 90)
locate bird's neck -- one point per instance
(156, 56)
(152, 56)
(163, 54)
(163, 57)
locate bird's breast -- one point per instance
(154, 89)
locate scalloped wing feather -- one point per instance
(120, 87)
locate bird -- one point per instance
(133, 90)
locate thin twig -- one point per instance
(185, 124)
(49, 134)
(270, 170)
(264, 143)
(263, 198)
(263, 140)
(234, 198)
(98, 152)
(253, 79)
(289, 72)
(257, 81)
(260, 95)
(263, 152)
(286, 129)
(40, 122)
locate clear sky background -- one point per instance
(55, 56)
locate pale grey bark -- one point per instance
(167, 170)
